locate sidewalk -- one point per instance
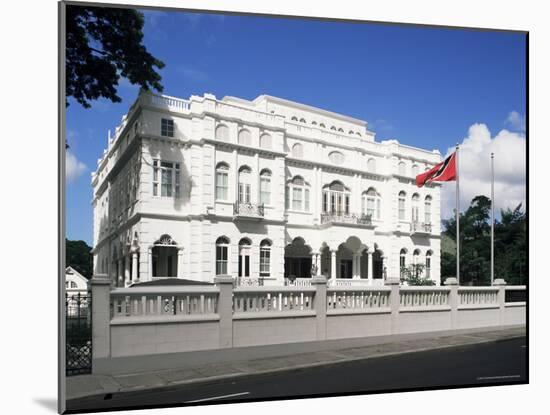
(89, 385)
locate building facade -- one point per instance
(266, 190)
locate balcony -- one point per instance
(349, 218)
(248, 211)
(421, 228)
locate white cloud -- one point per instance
(515, 121)
(73, 167)
(475, 170)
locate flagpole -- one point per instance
(492, 218)
(457, 221)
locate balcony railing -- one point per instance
(248, 210)
(350, 218)
(421, 228)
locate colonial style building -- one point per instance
(265, 190)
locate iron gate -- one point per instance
(78, 317)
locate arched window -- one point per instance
(416, 265)
(302, 120)
(313, 122)
(358, 133)
(294, 118)
(222, 247)
(222, 172)
(371, 165)
(265, 187)
(371, 203)
(265, 141)
(297, 195)
(340, 130)
(333, 128)
(244, 257)
(401, 168)
(222, 132)
(428, 210)
(245, 183)
(415, 208)
(350, 132)
(336, 157)
(428, 263)
(402, 259)
(244, 137)
(322, 125)
(401, 205)
(415, 170)
(265, 258)
(165, 257)
(336, 199)
(298, 150)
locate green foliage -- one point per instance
(475, 245)
(412, 275)
(78, 255)
(103, 44)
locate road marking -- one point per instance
(219, 397)
(498, 377)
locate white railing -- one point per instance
(422, 297)
(248, 282)
(478, 296)
(163, 302)
(358, 299)
(297, 282)
(421, 227)
(349, 282)
(165, 101)
(268, 299)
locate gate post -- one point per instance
(101, 316)
(225, 309)
(452, 283)
(320, 305)
(501, 299)
(394, 303)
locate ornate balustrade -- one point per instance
(421, 228)
(268, 299)
(350, 218)
(424, 297)
(478, 296)
(248, 210)
(165, 101)
(340, 298)
(297, 282)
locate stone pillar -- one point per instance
(120, 276)
(134, 266)
(150, 262)
(318, 263)
(452, 283)
(314, 264)
(384, 270)
(332, 264)
(180, 273)
(394, 303)
(358, 261)
(225, 309)
(320, 306)
(100, 286)
(126, 270)
(501, 299)
(370, 265)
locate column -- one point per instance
(314, 264)
(354, 266)
(134, 266)
(120, 275)
(180, 263)
(332, 264)
(126, 270)
(384, 270)
(150, 262)
(319, 264)
(359, 265)
(370, 266)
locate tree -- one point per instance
(79, 256)
(412, 275)
(103, 44)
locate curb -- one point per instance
(288, 368)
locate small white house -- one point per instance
(75, 282)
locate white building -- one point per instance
(258, 189)
(75, 282)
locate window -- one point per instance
(294, 119)
(371, 165)
(297, 150)
(166, 127)
(265, 187)
(336, 199)
(297, 195)
(401, 205)
(222, 245)
(222, 133)
(402, 257)
(340, 130)
(415, 208)
(222, 171)
(244, 257)
(322, 125)
(428, 210)
(244, 137)
(333, 128)
(265, 141)
(371, 203)
(428, 263)
(336, 157)
(415, 170)
(265, 257)
(166, 179)
(302, 120)
(401, 168)
(165, 255)
(350, 132)
(73, 284)
(244, 184)
(314, 123)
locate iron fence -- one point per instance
(78, 308)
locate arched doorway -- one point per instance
(298, 259)
(378, 264)
(165, 257)
(244, 257)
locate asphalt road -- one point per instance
(501, 362)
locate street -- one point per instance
(500, 362)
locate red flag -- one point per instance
(442, 172)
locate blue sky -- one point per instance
(426, 87)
